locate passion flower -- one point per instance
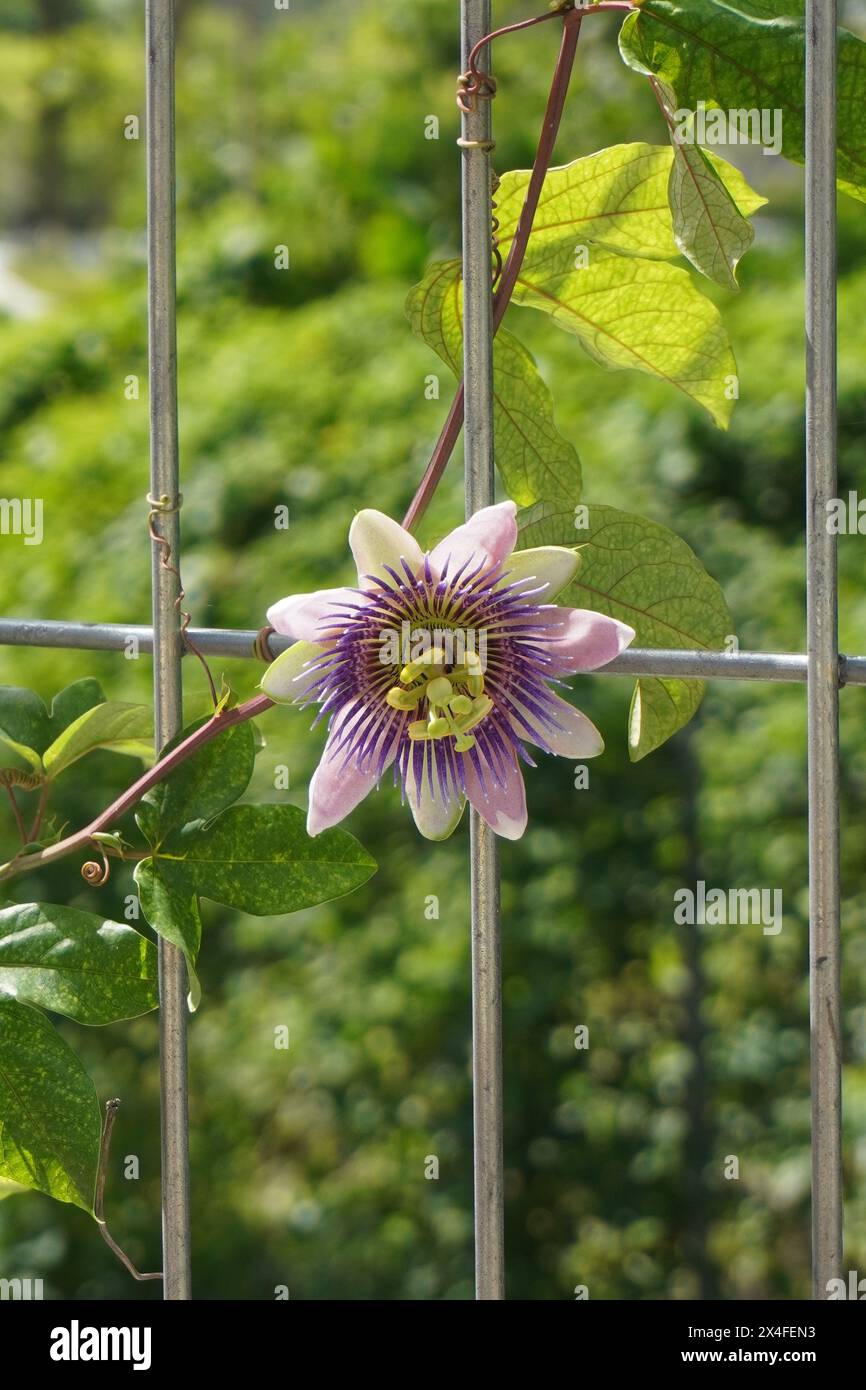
(439, 665)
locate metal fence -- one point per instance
(823, 668)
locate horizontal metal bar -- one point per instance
(238, 642)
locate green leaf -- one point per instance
(11, 1189)
(76, 963)
(25, 726)
(258, 859)
(745, 197)
(742, 55)
(50, 1126)
(616, 199)
(73, 701)
(643, 314)
(121, 728)
(171, 908)
(532, 457)
(640, 572)
(208, 781)
(708, 227)
(261, 860)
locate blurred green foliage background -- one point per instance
(305, 387)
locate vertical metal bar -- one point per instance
(484, 864)
(164, 484)
(823, 645)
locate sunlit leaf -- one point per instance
(709, 228)
(25, 726)
(76, 963)
(616, 199)
(747, 55)
(121, 728)
(640, 572)
(628, 312)
(260, 859)
(50, 1125)
(532, 457)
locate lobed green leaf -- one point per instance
(616, 199)
(532, 457)
(643, 314)
(640, 572)
(258, 859)
(749, 55)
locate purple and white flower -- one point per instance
(439, 666)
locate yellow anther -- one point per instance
(475, 685)
(403, 699)
(480, 709)
(435, 656)
(418, 729)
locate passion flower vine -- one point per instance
(440, 666)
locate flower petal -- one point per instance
(284, 681)
(490, 533)
(578, 639)
(376, 541)
(576, 738)
(551, 565)
(502, 805)
(435, 817)
(337, 786)
(313, 617)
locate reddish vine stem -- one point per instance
(572, 19)
(479, 80)
(41, 807)
(552, 117)
(16, 812)
(216, 725)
